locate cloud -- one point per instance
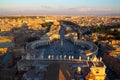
(50, 10)
(88, 9)
(46, 7)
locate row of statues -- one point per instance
(60, 57)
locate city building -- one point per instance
(5, 43)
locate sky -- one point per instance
(59, 7)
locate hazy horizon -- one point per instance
(59, 7)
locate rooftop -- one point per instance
(6, 58)
(5, 44)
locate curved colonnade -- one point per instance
(32, 51)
